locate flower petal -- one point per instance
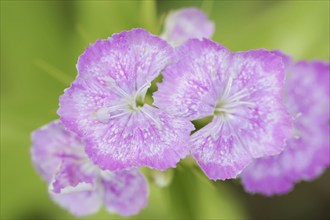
(241, 90)
(80, 104)
(130, 59)
(187, 23)
(265, 125)
(265, 175)
(307, 152)
(191, 87)
(219, 151)
(125, 192)
(148, 137)
(110, 72)
(50, 144)
(59, 156)
(113, 74)
(70, 174)
(79, 203)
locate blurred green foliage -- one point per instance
(40, 44)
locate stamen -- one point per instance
(104, 113)
(236, 135)
(227, 104)
(158, 125)
(114, 86)
(143, 89)
(219, 110)
(212, 131)
(138, 98)
(118, 115)
(141, 92)
(237, 104)
(238, 96)
(218, 127)
(227, 88)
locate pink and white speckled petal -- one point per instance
(261, 121)
(219, 151)
(81, 104)
(59, 156)
(50, 144)
(241, 90)
(307, 98)
(109, 72)
(129, 59)
(307, 153)
(78, 185)
(80, 203)
(307, 89)
(191, 87)
(185, 24)
(148, 137)
(287, 60)
(265, 176)
(104, 101)
(125, 192)
(70, 174)
(304, 159)
(56, 154)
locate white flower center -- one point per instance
(130, 104)
(229, 103)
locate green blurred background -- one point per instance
(40, 44)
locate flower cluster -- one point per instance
(268, 117)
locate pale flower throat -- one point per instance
(226, 108)
(228, 103)
(129, 104)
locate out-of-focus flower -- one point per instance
(307, 153)
(105, 104)
(186, 23)
(78, 185)
(242, 91)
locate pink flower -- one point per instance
(307, 153)
(184, 24)
(105, 104)
(78, 185)
(241, 91)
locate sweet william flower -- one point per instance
(186, 23)
(241, 91)
(105, 104)
(78, 185)
(307, 153)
